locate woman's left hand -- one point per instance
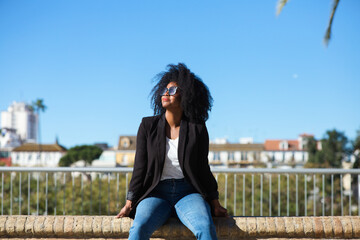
(219, 211)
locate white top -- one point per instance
(171, 166)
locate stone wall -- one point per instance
(82, 227)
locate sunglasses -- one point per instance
(170, 90)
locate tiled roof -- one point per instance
(274, 145)
(127, 143)
(236, 147)
(306, 135)
(33, 147)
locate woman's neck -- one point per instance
(173, 118)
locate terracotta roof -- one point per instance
(236, 147)
(306, 135)
(33, 147)
(127, 143)
(274, 145)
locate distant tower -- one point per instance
(21, 117)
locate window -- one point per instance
(216, 156)
(284, 145)
(125, 142)
(125, 160)
(231, 156)
(243, 155)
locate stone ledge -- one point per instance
(107, 227)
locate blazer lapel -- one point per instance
(182, 140)
(161, 142)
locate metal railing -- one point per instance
(244, 192)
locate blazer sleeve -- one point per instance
(206, 177)
(140, 165)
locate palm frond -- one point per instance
(328, 30)
(280, 5)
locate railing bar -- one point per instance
(341, 190)
(108, 193)
(99, 193)
(323, 193)
(20, 193)
(91, 177)
(270, 195)
(126, 184)
(288, 199)
(55, 192)
(279, 202)
(2, 193)
(243, 194)
(358, 180)
(46, 193)
(305, 189)
(261, 194)
(225, 195)
(252, 194)
(37, 194)
(350, 197)
(234, 194)
(64, 184)
(117, 191)
(29, 193)
(314, 190)
(82, 193)
(213, 169)
(297, 194)
(11, 198)
(332, 194)
(73, 193)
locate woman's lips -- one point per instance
(165, 99)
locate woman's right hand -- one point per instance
(125, 211)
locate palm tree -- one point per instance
(282, 3)
(39, 106)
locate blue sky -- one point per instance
(93, 63)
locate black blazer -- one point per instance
(193, 152)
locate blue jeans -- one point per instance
(170, 197)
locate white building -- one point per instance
(21, 118)
(285, 152)
(243, 154)
(39, 155)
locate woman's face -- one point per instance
(171, 101)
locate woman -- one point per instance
(171, 173)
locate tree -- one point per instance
(356, 143)
(88, 153)
(315, 155)
(333, 149)
(38, 107)
(356, 149)
(282, 3)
